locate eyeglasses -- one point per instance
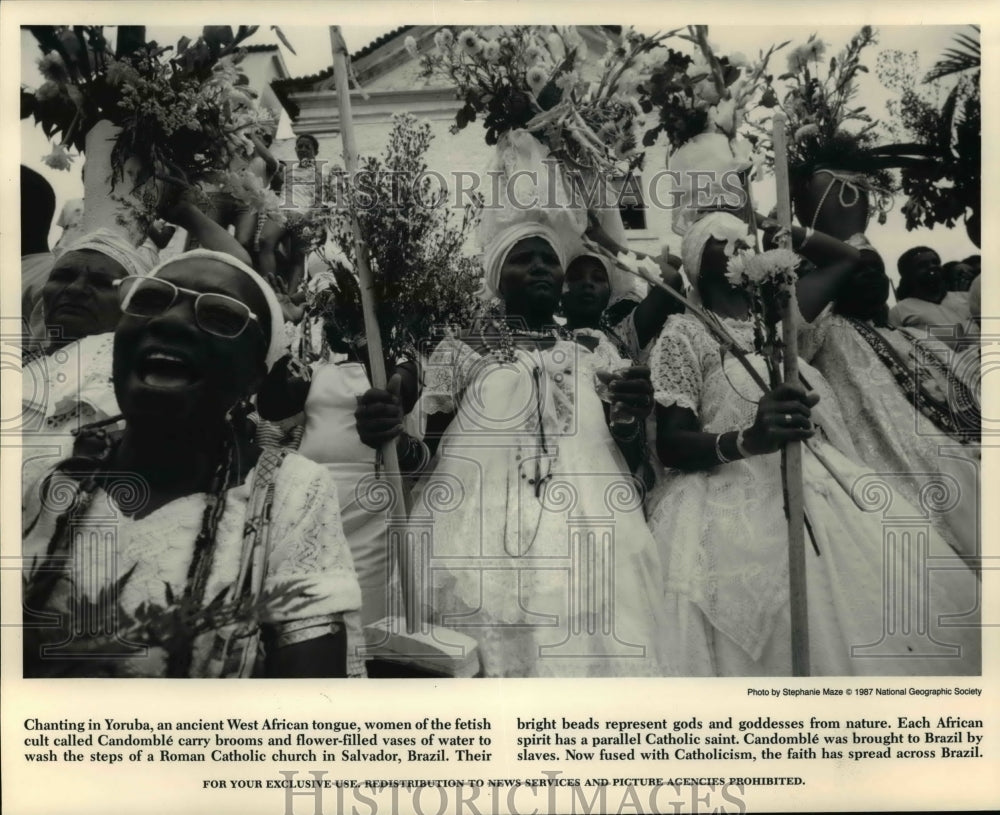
(215, 313)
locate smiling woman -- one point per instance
(227, 561)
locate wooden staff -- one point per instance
(372, 333)
(791, 454)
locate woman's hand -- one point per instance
(632, 392)
(783, 415)
(379, 414)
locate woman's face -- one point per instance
(712, 280)
(168, 369)
(305, 149)
(79, 297)
(531, 277)
(586, 291)
(926, 276)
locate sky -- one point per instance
(312, 46)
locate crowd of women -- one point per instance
(614, 495)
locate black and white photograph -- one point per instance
(463, 352)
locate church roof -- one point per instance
(324, 80)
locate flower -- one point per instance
(53, 68)
(536, 78)
(705, 92)
(535, 54)
(444, 38)
(119, 74)
(809, 51)
(58, 159)
(411, 46)
(698, 66)
(629, 81)
(491, 51)
(749, 270)
(47, 91)
(739, 60)
(470, 43)
(568, 80)
(556, 47)
(723, 116)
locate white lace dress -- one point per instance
(308, 549)
(538, 544)
(723, 542)
(935, 473)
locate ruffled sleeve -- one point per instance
(675, 367)
(308, 546)
(446, 375)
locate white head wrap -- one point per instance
(720, 226)
(278, 339)
(115, 245)
(534, 200)
(496, 251)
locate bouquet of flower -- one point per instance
(941, 116)
(703, 92)
(769, 279)
(532, 78)
(825, 129)
(422, 281)
(183, 117)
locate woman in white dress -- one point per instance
(718, 517)
(205, 556)
(537, 543)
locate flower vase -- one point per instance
(843, 202)
(125, 206)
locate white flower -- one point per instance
(698, 65)
(705, 92)
(749, 270)
(805, 131)
(411, 46)
(629, 81)
(534, 54)
(556, 47)
(58, 159)
(738, 59)
(808, 52)
(723, 116)
(568, 80)
(536, 78)
(470, 43)
(444, 38)
(491, 51)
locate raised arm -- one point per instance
(207, 232)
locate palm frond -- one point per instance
(965, 56)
